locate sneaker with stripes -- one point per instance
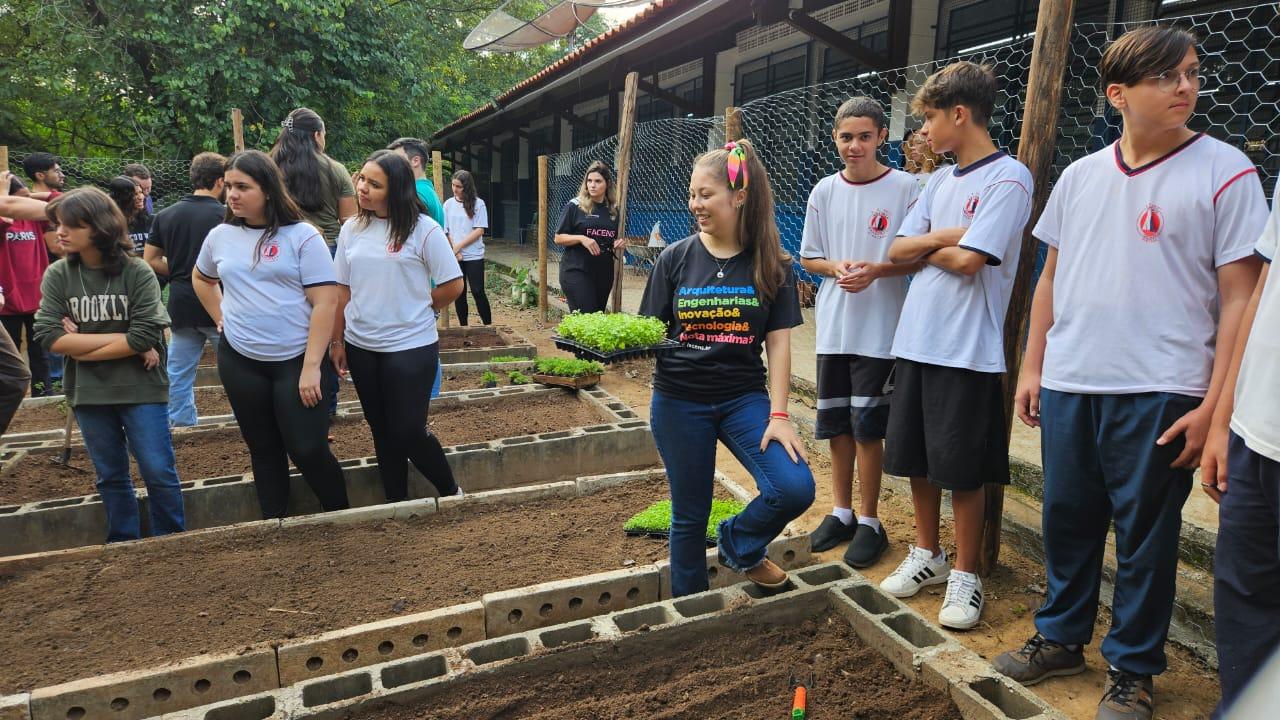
(918, 568)
(962, 606)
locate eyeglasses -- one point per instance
(1169, 80)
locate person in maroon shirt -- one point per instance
(23, 260)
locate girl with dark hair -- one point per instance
(101, 309)
(274, 309)
(389, 256)
(466, 218)
(588, 232)
(713, 386)
(318, 183)
(132, 201)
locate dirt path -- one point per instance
(1187, 691)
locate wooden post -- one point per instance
(437, 179)
(542, 238)
(732, 124)
(622, 169)
(1035, 150)
(237, 129)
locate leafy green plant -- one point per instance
(567, 368)
(524, 291)
(608, 332)
(657, 517)
(489, 378)
(518, 378)
(507, 358)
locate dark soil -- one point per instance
(481, 337)
(740, 674)
(157, 602)
(214, 453)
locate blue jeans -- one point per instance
(111, 433)
(185, 348)
(1102, 464)
(686, 433)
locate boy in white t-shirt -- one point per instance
(851, 219)
(1149, 268)
(947, 427)
(1240, 469)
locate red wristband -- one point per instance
(779, 415)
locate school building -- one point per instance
(697, 57)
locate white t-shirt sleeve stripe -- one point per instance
(442, 265)
(1234, 178)
(1004, 204)
(481, 220)
(1239, 218)
(918, 218)
(812, 240)
(1048, 228)
(315, 267)
(205, 263)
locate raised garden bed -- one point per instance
(477, 344)
(218, 451)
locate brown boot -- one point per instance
(768, 575)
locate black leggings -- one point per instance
(277, 427)
(587, 281)
(473, 277)
(37, 361)
(395, 392)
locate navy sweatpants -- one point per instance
(1246, 570)
(1101, 463)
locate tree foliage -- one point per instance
(120, 77)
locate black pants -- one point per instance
(473, 277)
(395, 392)
(14, 378)
(37, 361)
(277, 427)
(586, 281)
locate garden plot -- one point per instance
(383, 583)
(498, 439)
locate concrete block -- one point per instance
(497, 650)
(380, 642)
(595, 483)
(978, 690)
(788, 552)
(336, 689)
(145, 693)
(566, 488)
(645, 618)
(413, 671)
(15, 707)
(824, 574)
(562, 635)
(343, 517)
(258, 707)
(561, 601)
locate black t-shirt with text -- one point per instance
(597, 225)
(721, 323)
(179, 231)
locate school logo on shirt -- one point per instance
(271, 252)
(970, 207)
(878, 224)
(1151, 222)
(392, 249)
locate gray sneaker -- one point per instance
(1040, 659)
(1127, 697)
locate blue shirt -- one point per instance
(427, 193)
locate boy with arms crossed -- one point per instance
(1150, 258)
(851, 219)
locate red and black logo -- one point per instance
(271, 252)
(878, 224)
(1151, 223)
(970, 207)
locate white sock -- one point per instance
(873, 523)
(844, 515)
(459, 493)
(942, 555)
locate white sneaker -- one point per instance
(963, 603)
(918, 569)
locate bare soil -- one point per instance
(214, 453)
(477, 337)
(739, 674)
(160, 601)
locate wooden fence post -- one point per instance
(542, 238)
(622, 170)
(732, 124)
(437, 179)
(237, 129)
(1035, 150)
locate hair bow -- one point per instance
(736, 166)
(287, 124)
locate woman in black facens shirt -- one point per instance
(588, 232)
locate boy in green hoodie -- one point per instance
(101, 309)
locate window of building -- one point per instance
(771, 74)
(598, 121)
(873, 36)
(649, 107)
(974, 26)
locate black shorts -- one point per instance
(947, 424)
(853, 396)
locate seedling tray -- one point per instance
(589, 353)
(574, 383)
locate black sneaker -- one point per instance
(831, 533)
(1040, 659)
(1127, 697)
(868, 545)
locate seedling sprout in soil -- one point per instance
(489, 379)
(518, 378)
(608, 332)
(568, 368)
(655, 520)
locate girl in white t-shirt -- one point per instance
(465, 219)
(395, 269)
(275, 309)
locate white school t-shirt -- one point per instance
(265, 313)
(845, 220)
(957, 320)
(459, 226)
(1256, 418)
(390, 307)
(1135, 295)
